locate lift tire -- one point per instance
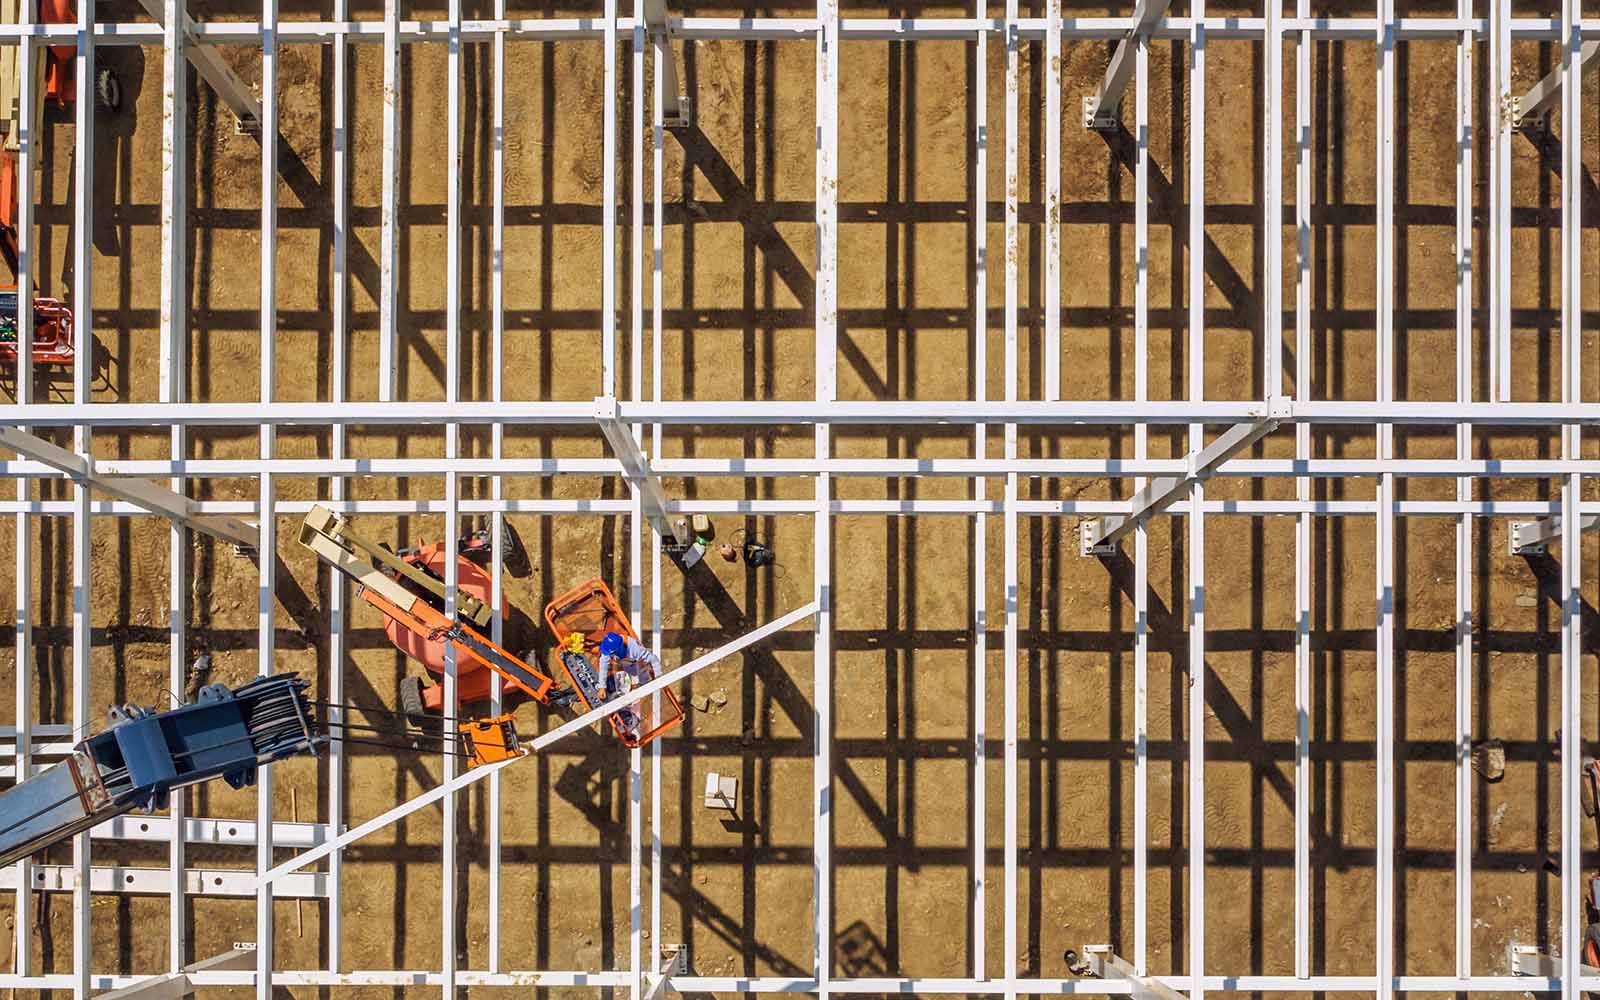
(411, 700)
(107, 91)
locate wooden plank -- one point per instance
(10, 77)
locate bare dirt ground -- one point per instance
(738, 273)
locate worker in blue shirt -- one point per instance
(624, 665)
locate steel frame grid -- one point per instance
(826, 31)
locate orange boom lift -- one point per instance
(55, 84)
(412, 598)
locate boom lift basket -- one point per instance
(590, 610)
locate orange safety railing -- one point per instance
(591, 611)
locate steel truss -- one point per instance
(622, 415)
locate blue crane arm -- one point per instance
(145, 754)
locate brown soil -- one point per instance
(739, 319)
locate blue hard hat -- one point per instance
(613, 644)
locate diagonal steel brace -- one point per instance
(1100, 110)
(1100, 961)
(209, 64)
(1100, 535)
(151, 496)
(1533, 108)
(636, 468)
(674, 103)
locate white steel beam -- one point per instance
(562, 731)
(338, 588)
(208, 62)
(1052, 201)
(140, 881)
(1222, 27)
(267, 529)
(635, 467)
(389, 210)
(1011, 589)
(657, 255)
(449, 763)
(1101, 110)
(732, 413)
(22, 932)
(1502, 120)
(527, 979)
(980, 529)
(497, 521)
(83, 193)
(874, 468)
(825, 369)
(1141, 538)
(151, 496)
(1302, 530)
(892, 507)
(1384, 917)
(1574, 61)
(173, 17)
(1465, 335)
(636, 532)
(1195, 548)
(1103, 534)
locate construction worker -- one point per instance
(624, 665)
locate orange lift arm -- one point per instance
(384, 586)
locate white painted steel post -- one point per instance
(1009, 509)
(980, 528)
(1195, 550)
(450, 761)
(389, 208)
(497, 520)
(83, 191)
(267, 547)
(1052, 200)
(338, 589)
(1463, 527)
(1141, 536)
(826, 370)
(174, 389)
(22, 936)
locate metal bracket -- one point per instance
(675, 114)
(1100, 961)
(1527, 960)
(1524, 539)
(1088, 533)
(1533, 538)
(674, 103)
(1100, 119)
(675, 962)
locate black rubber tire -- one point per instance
(411, 700)
(107, 91)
